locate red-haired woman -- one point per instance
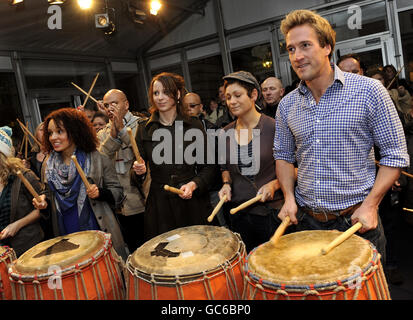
(74, 208)
(166, 211)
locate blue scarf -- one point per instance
(73, 208)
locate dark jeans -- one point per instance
(254, 229)
(342, 223)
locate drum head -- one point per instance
(63, 251)
(297, 258)
(186, 251)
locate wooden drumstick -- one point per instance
(90, 90)
(217, 207)
(28, 186)
(81, 172)
(134, 146)
(83, 91)
(246, 204)
(172, 189)
(280, 230)
(27, 131)
(407, 209)
(341, 238)
(394, 78)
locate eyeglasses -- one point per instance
(113, 103)
(192, 105)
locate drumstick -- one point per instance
(27, 131)
(217, 207)
(81, 172)
(394, 78)
(172, 189)
(407, 209)
(341, 238)
(134, 146)
(403, 172)
(90, 90)
(28, 186)
(83, 91)
(280, 230)
(246, 204)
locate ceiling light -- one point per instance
(155, 7)
(56, 1)
(85, 4)
(15, 2)
(101, 20)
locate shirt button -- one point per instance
(319, 201)
(318, 141)
(318, 181)
(318, 160)
(318, 120)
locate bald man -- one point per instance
(350, 63)
(272, 91)
(115, 143)
(194, 108)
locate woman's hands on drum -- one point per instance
(139, 167)
(10, 230)
(225, 191)
(188, 189)
(42, 204)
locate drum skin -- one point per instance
(295, 269)
(190, 263)
(7, 255)
(77, 266)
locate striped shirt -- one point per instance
(332, 141)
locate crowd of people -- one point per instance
(309, 151)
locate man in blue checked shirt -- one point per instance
(328, 125)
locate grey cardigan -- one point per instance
(103, 174)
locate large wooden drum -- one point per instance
(81, 265)
(7, 255)
(295, 269)
(191, 263)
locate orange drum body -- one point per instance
(295, 269)
(191, 263)
(77, 266)
(7, 255)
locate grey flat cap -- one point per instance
(244, 76)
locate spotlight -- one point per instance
(155, 7)
(15, 2)
(101, 20)
(85, 4)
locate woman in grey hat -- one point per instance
(250, 138)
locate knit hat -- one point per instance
(6, 145)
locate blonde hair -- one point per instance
(325, 33)
(9, 166)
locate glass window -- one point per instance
(206, 77)
(10, 108)
(373, 19)
(257, 60)
(177, 68)
(406, 30)
(128, 83)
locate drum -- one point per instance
(81, 266)
(295, 269)
(7, 255)
(193, 263)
